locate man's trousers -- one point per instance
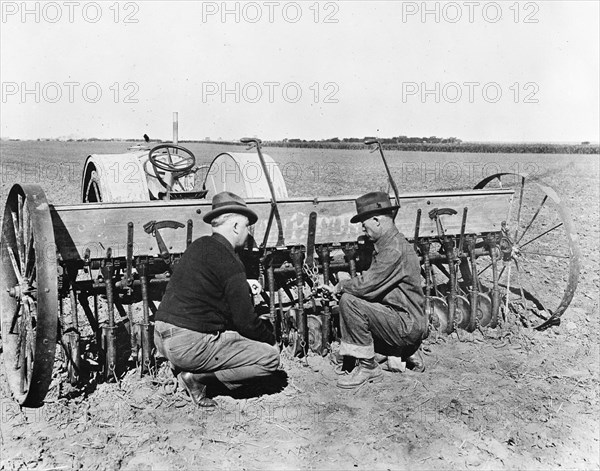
(230, 356)
(369, 327)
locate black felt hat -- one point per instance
(227, 202)
(372, 204)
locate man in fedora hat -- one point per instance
(381, 310)
(206, 325)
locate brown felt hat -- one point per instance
(227, 202)
(372, 204)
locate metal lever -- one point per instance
(153, 228)
(435, 214)
(274, 210)
(387, 169)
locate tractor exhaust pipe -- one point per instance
(175, 127)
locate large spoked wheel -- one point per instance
(539, 254)
(29, 294)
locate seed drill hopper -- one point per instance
(87, 277)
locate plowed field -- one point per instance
(514, 398)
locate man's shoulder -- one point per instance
(202, 244)
(206, 243)
(207, 249)
(402, 240)
(398, 246)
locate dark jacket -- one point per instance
(208, 292)
(394, 277)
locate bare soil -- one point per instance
(514, 398)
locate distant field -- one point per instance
(57, 167)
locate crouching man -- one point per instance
(206, 325)
(381, 310)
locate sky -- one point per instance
(481, 71)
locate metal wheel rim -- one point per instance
(29, 269)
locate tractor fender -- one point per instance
(113, 178)
(242, 174)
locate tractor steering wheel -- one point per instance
(182, 166)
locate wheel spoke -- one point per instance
(507, 287)
(541, 235)
(15, 220)
(520, 284)
(501, 272)
(30, 257)
(533, 219)
(479, 273)
(178, 182)
(13, 260)
(86, 194)
(21, 339)
(96, 192)
(15, 317)
(519, 208)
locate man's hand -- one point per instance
(333, 290)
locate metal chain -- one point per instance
(312, 272)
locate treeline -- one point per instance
(474, 147)
(433, 144)
(401, 143)
(386, 140)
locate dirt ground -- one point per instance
(516, 398)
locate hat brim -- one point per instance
(373, 212)
(251, 215)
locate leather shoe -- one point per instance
(195, 387)
(359, 376)
(416, 363)
(379, 358)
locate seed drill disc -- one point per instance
(440, 313)
(462, 312)
(484, 309)
(294, 347)
(315, 337)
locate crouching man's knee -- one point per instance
(348, 302)
(271, 359)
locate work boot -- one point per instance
(415, 362)
(379, 358)
(342, 364)
(366, 371)
(195, 386)
(335, 358)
